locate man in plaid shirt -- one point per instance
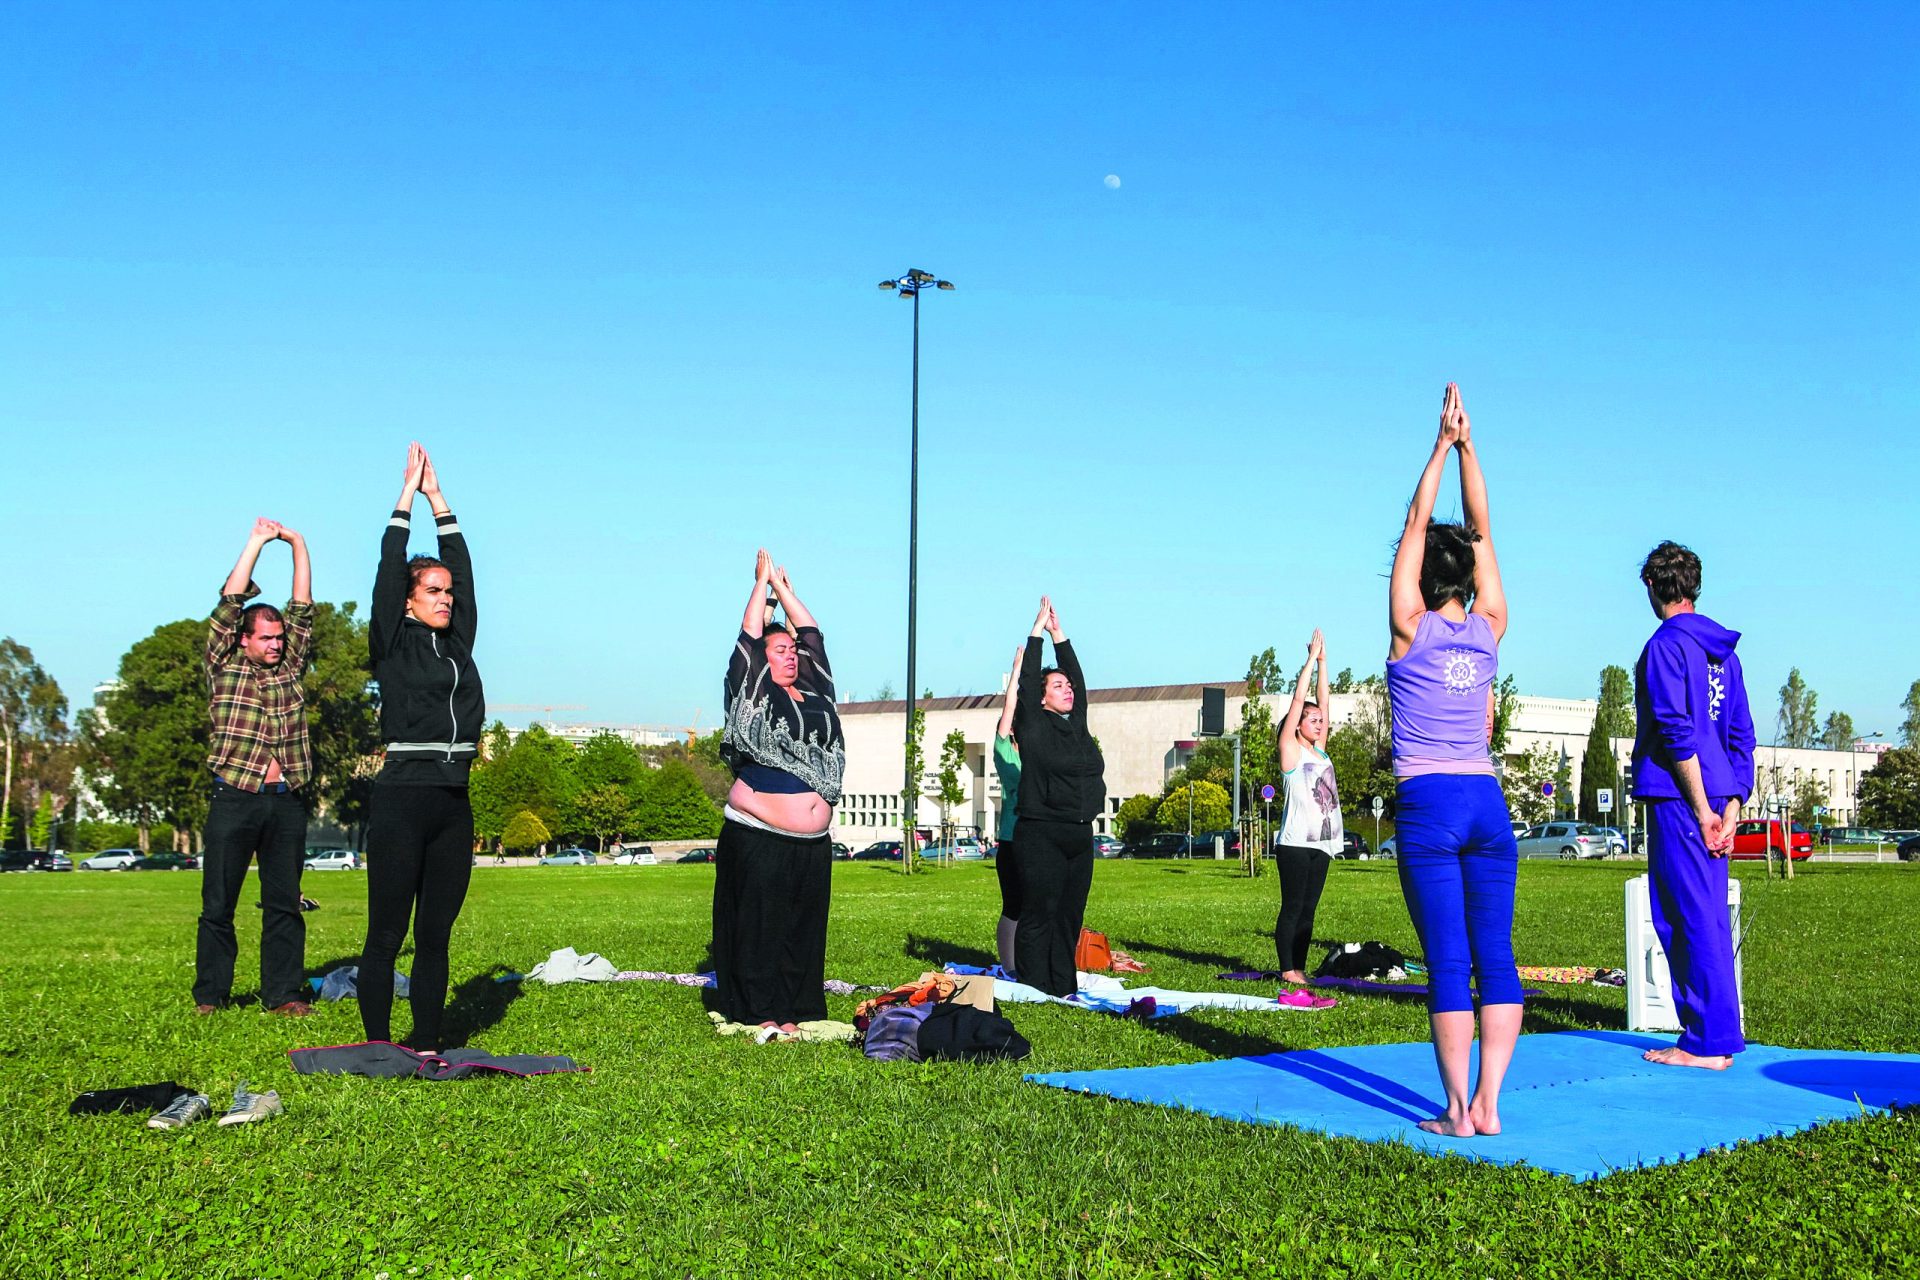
(260, 759)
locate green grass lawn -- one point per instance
(686, 1154)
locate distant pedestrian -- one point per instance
(420, 836)
(773, 868)
(259, 757)
(1063, 788)
(1311, 832)
(1457, 856)
(1006, 764)
(1693, 765)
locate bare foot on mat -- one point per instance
(1485, 1117)
(1450, 1126)
(1678, 1057)
(1294, 975)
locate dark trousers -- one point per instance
(771, 893)
(1006, 867)
(241, 825)
(1690, 917)
(419, 860)
(1303, 874)
(1055, 871)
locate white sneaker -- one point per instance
(248, 1107)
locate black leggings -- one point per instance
(419, 860)
(1055, 871)
(771, 893)
(1007, 869)
(1303, 874)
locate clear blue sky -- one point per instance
(616, 269)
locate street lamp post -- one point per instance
(909, 286)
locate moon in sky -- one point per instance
(1113, 181)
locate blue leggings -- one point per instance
(1458, 862)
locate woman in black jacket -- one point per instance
(420, 834)
(1062, 789)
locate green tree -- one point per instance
(1212, 808)
(1798, 723)
(675, 807)
(1890, 791)
(41, 827)
(1259, 750)
(91, 835)
(146, 743)
(910, 793)
(1540, 764)
(1838, 734)
(953, 754)
(537, 774)
(1807, 795)
(1343, 682)
(1506, 705)
(525, 832)
(1135, 818)
(603, 811)
(343, 716)
(1211, 761)
(33, 732)
(1615, 715)
(1910, 727)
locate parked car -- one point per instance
(1615, 837)
(1566, 840)
(1355, 847)
(841, 853)
(1389, 848)
(1752, 839)
(636, 855)
(1163, 844)
(697, 855)
(1909, 850)
(965, 849)
(570, 858)
(34, 860)
(167, 862)
(1107, 846)
(110, 860)
(879, 851)
(1852, 835)
(1203, 842)
(333, 860)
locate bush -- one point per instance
(525, 831)
(1212, 808)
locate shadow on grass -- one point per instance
(1218, 1042)
(939, 951)
(1552, 1011)
(1225, 963)
(477, 1004)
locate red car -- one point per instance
(1751, 839)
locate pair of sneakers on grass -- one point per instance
(189, 1107)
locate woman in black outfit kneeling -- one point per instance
(1062, 788)
(420, 833)
(773, 869)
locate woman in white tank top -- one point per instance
(1311, 831)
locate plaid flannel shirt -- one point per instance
(259, 713)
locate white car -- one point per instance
(642, 856)
(334, 860)
(111, 860)
(965, 849)
(569, 858)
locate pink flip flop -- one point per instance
(1304, 1000)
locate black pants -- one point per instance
(1006, 866)
(1055, 870)
(241, 824)
(419, 860)
(1303, 874)
(771, 893)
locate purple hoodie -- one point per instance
(1689, 700)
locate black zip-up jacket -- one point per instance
(432, 707)
(1063, 777)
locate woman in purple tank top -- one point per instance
(1457, 856)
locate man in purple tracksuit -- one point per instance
(1693, 764)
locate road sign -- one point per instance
(1605, 796)
(1819, 811)
(1379, 806)
(1546, 789)
(1266, 792)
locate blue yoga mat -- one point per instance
(1578, 1103)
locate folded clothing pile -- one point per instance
(941, 1017)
